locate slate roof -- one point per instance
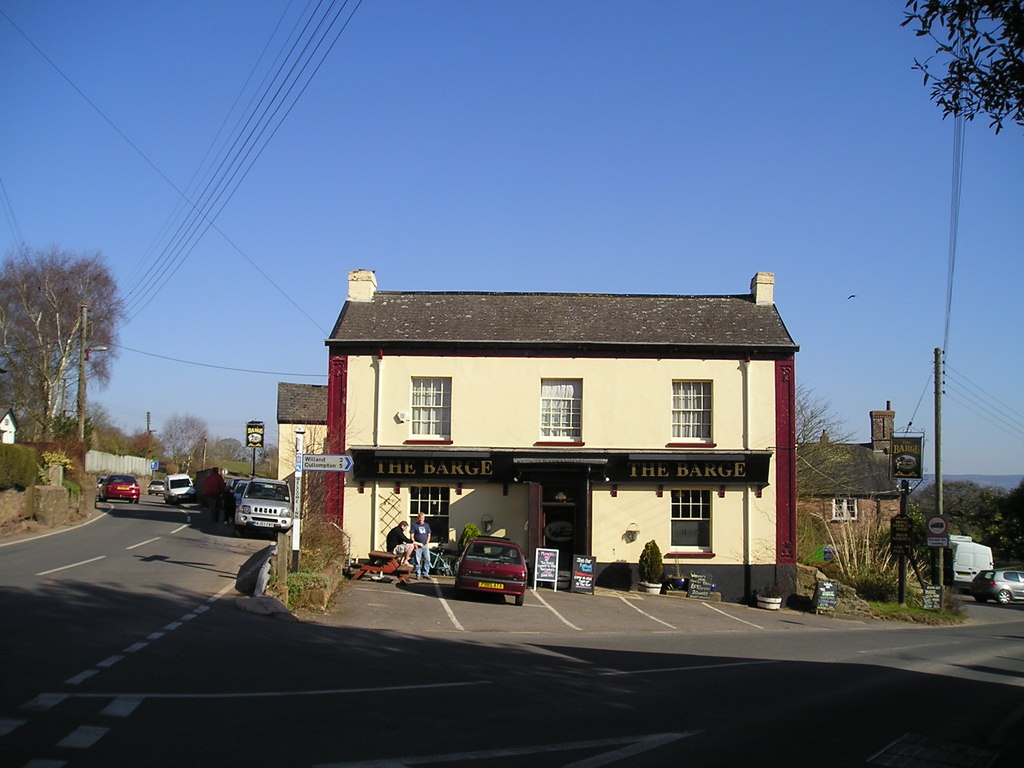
(301, 403)
(562, 318)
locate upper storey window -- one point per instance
(432, 408)
(691, 410)
(561, 410)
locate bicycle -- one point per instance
(441, 563)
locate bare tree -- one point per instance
(183, 438)
(41, 295)
(823, 461)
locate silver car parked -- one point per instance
(1002, 586)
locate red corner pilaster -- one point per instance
(785, 461)
(337, 398)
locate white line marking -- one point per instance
(173, 626)
(629, 746)
(73, 565)
(83, 737)
(45, 763)
(694, 668)
(279, 694)
(122, 706)
(7, 725)
(447, 608)
(729, 615)
(156, 635)
(652, 618)
(179, 528)
(81, 677)
(201, 609)
(109, 661)
(135, 647)
(143, 543)
(45, 702)
(560, 616)
(54, 533)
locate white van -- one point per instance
(968, 559)
(179, 488)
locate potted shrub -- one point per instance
(770, 597)
(651, 568)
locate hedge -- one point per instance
(17, 466)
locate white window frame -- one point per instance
(844, 509)
(692, 412)
(688, 505)
(434, 501)
(561, 410)
(431, 408)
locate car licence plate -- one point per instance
(263, 524)
(490, 585)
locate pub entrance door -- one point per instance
(560, 517)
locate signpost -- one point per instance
(254, 439)
(937, 531)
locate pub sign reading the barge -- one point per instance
(505, 466)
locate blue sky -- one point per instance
(643, 147)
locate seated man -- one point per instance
(400, 544)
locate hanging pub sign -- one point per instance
(906, 458)
(254, 434)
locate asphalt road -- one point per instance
(143, 658)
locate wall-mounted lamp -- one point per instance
(631, 533)
(486, 523)
(560, 496)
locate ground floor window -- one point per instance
(432, 501)
(844, 509)
(691, 519)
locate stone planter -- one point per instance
(769, 603)
(650, 588)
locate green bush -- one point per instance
(17, 466)
(877, 586)
(651, 566)
(468, 533)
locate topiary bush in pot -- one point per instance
(651, 566)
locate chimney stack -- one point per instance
(882, 428)
(362, 284)
(762, 288)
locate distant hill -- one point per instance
(1009, 482)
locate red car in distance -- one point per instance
(492, 564)
(123, 487)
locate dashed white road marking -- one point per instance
(122, 706)
(83, 737)
(135, 647)
(7, 725)
(143, 543)
(72, 565)
(45, 702)
(81, 677)
(110, 661)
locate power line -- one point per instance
(220, 367)
(12, 220)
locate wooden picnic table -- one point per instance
(383, 564)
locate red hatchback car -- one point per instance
(124, 487)
(491, 564)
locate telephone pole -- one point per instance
(83, 349)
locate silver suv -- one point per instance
(265, 505)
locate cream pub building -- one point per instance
(586, 423)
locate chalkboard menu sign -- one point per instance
(546, 567)
(582, 574)
(825, 596)
(932, 597)
(698, 586)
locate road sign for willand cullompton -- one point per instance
(326, 462)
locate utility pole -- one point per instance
(937, 576)
(83, 349)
